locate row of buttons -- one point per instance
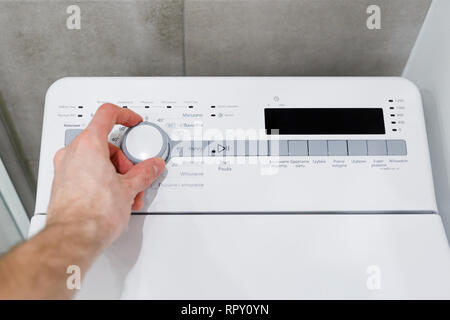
(280, 147)
(290, 148)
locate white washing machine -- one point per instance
(275, 188)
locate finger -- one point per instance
(141, 176)
(109, 115)
(119, 160)
(138, 201)
(58, 157)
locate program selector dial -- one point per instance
(145, 141)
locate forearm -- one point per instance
(37, 268)
(95, 187)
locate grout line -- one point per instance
(183, 44)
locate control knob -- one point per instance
(145, 141)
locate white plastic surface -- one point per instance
(346, 232)
(274, 257)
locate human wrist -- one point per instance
(85, 232)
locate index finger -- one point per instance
(109, 115)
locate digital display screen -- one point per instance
(324, 121)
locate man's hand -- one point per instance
(95, 187)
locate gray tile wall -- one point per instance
(299, 37)
(190, 37)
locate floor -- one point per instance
(191, 37)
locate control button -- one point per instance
(317, 147)
(197, 148)
(230, 148)
(337, 147)
(182, 149)
(298, 147)
(252, 147)
(221, 148)
(216, 149)
(376, 147)
(396, 147)
(206, 148)
(263, 148)
(70, 134)
(279, 148)
(241, 148)
(145, 141)
(357, 147)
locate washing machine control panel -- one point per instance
(258, 145)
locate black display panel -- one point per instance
(324, 121)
